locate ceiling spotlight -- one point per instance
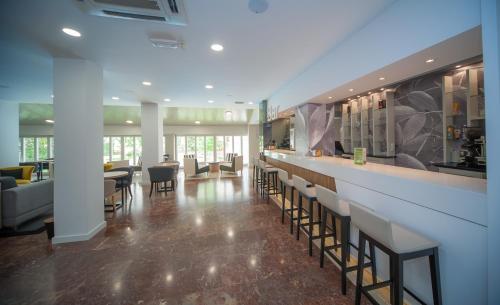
(71, 32)
(115, 98)
(351, 90)
(210, 101)
(50, 121)
(429, 60)
(217, 47)
(166, 100)
(250, 103)
(369, 92)
(382, 89)
(129, 122)
(359, 96)
(381, 78)
(330, 97)
(209, 86)
(146, 83)
(52, 96)
(258, 6)
(197, 122)
(349, 99)
(458, 66)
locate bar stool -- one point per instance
(255, 170)
(286, 182)
(269, 179)
(308, 191)
(339, 209)
(400, 244)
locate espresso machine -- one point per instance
(473, 149)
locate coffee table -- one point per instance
(214, 167)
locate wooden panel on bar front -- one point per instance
(309, 175)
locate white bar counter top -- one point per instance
(447, 208)
(459, 196)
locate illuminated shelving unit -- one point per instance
(383, 123)
(345, 133)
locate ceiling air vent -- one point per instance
(239, 102)
(169, 11)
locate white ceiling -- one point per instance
(262, 52)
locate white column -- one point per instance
(78, 132)
(9, 134)
(253, 141)
(152, 137)
(490, 17)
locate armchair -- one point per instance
(191, 167)
(236, 165)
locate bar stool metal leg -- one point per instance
(292, 210)
(299, 216)
(283, 199)
(361, 264)
(435, 277)
(311, 226)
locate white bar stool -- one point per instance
(400, 244)
(308, 191)
(339, 209)
(285, 182)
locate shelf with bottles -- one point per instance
(383, 123)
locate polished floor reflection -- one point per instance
(212, 242)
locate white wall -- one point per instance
(253, 141)
(402, 29)
(491, 46)
(152, 136)
(9, 134)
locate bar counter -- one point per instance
(441, 206)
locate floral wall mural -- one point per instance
(418, 121)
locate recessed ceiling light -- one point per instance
(359, 96)
(330, 97)
(458, 66)
(382, 89)
(429, 60)
(52, 95)
(197, 122)
(351, 90)
(250, 103)
(50, 121)
(349, 99)
(71, 32)
(146, 83)
(369, 92)
(166, 100)
(209, 86)
(115, 98)
(381, 78)
(129, 122)
(216, 47)
(210, 101)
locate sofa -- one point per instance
(21, 203)
(27, 171)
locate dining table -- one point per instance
(118, 175)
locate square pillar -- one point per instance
(9, 133)
(78, 134)
(152, 137)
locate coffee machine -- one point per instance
(473, 149)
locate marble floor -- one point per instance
(213, 241)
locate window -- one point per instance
(237, 145)
(107, 150)
(228, 144)
(128, 149)
(219, 148)
(116, 149)
(190, 145)
(180, 149)
(42, 148)
(209, 149)
(200, 148)
(28, 149)
(137, 149)
(51, 147)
